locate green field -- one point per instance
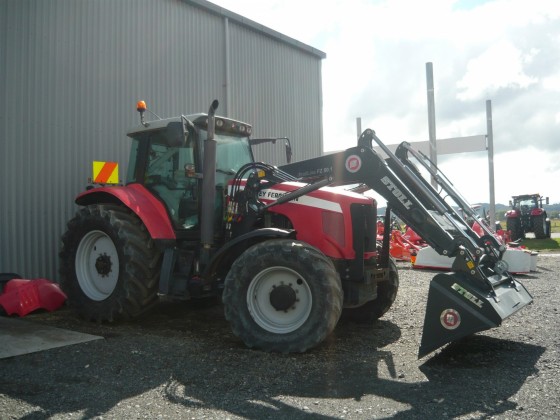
(552, 244)
(555, 225)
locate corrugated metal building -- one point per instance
(71, 72)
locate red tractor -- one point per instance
(287, 249)
(527, 215)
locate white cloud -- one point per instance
(551, 83)
(470, 175)
(503, 50)
(499, 66)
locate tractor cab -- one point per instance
(525, 204)
(166, 158)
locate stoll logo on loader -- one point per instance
(468, 295)
(397, 193)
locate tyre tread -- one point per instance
(136, 289)
(292, 252)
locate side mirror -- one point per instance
(289, 153)
(547, 200)
(175, 134)
(254, 142)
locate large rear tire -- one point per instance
(374, 309)
(282, 295)
(514, 226)
(540, 226)
(109, 265)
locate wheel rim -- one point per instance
(268, 297)
(97, 265)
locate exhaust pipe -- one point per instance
(208, 188)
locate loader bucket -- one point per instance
(459, 306)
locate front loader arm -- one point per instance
(402, 153)
(414, 201)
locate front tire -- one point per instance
(540, 227)
(282, 295)
(109, 265)
(514, 226)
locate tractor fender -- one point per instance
(224, 258)
(512, 213)
(139, 200)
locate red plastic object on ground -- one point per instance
(24, 296)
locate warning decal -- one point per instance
(450, 319)
(105, 172)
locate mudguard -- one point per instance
(22, 296)
(237, 246)
(140, 201)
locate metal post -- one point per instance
(490, 138)
(431, 116)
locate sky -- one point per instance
(505, 51)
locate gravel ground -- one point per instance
(178, 362)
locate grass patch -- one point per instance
(552, 244)
(555, 225)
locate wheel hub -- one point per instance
(282, 297)
(96, 257)
(279, 299)
(103, 265)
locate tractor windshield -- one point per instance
(232, 153)
(526, 204)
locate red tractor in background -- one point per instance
(287, 249)
(527, 215)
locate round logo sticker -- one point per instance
(450, 319)
(353, 163)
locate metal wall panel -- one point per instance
(278, 89)
(71, 72)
